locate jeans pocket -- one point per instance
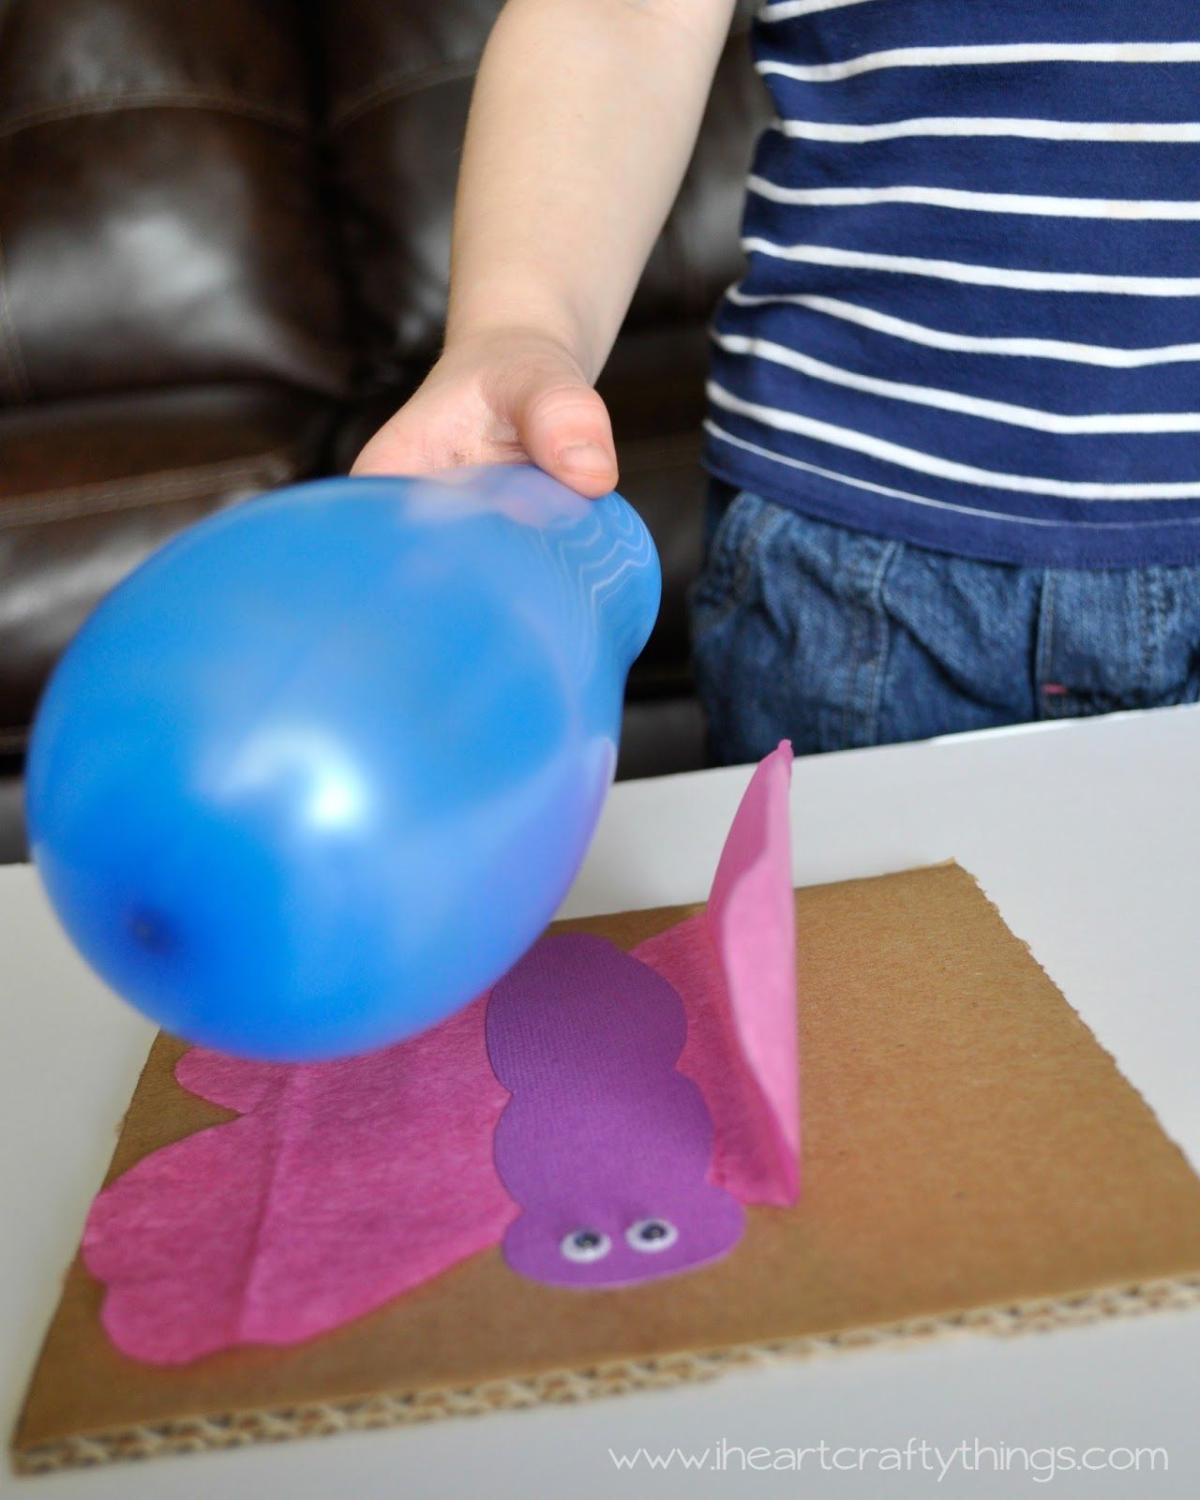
(790, 635)
(1118, 639)
(728, 571)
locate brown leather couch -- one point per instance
(224, 233)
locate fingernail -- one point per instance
(581, 456)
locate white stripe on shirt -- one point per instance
(1104, 355)
(928, 463)
(886, 489)
(994, 203)
(975, 275)
(784, 10)
(1158, 53)
(1120, 131)
(1088, 424)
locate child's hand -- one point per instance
(505, 396)
(582, 121)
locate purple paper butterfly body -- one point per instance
(604, 1145)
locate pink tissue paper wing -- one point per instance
(735, 965)
(343, 1185)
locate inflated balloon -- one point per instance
(321, 769)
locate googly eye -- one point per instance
(584, 1245)
(652, 1235)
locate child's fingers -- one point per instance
(531, 403)
(564, 427)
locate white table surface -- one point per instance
(1087, 835)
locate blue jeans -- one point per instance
(834, 638)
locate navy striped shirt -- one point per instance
(971, 312)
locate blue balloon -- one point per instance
(322, 768)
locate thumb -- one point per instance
(564, 427)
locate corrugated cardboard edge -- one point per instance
(240, 1427)
(237, 1429)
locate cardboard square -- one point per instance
(972, 1159)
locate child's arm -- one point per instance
(582, 122)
